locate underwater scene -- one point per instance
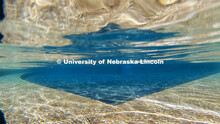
(109, 62)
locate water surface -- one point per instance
(185, 89)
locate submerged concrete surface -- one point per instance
(44, 22)
(194, 102)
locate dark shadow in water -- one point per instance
(1, 37)
(2, 15)
(2, 118)
(116, 84)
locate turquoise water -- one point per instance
(118, 83)
(35, 81)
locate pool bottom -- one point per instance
(194, 102)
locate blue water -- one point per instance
(119, 44)
(112, 36)
(116, 84)
(185, 88)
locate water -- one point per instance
(184, 89)
(116, 84)
(120, 83)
